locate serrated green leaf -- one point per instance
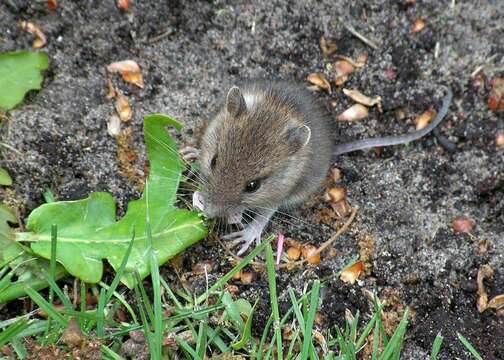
(20, 73)
(88, 232)
(5, 179)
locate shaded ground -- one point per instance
(408, 196)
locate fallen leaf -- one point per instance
(247, 278)
(335, 194)
(320, 81)
(129, 70)
(497, 302)
(343, 68)
(203, 267)
(351, 274)
(40, 38)
(354, 113)
(359, 97)
(293, 253)
(123, 107)
(422, 120)
(484, 271)
(111, 93)
(418, 25)
(309, 253)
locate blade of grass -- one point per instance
(143, 317)
(376, 341)
(247, 330)
(111, 354)
(122, 300)
(201, 340)
(244, 262)
(100, 321)
(469, 346)
(19, 348)
(56, 289)
(184, 345)
(145, 298)
(396, 339)
(120, 272)
(158, 309)
(52, 268)
(436, 346)
(270, 268)
(310, 319)
(367, 330)
(12, 331)
(45, 306)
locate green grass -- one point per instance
(211, 323)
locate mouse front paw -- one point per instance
(189, 153)
(246, 236)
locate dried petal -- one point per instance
(123, 5)
(351, 274)
(359, 97)
(354, 113)
(320, 81)
(40, 38)
(462, 225)
(335, 194)
(422, 120)
(123, 108)
(129, 70)
(418, 25)
(309, 253)
(497, 302)
(293, 253)
(340, 79)
(499, 139)
(114, 125)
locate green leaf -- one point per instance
(5, 179)
(20, 73)
(88, 232)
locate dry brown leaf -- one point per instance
(497, 302)
(360, 98)
(203, 267)
(293, 253)
(342, 208)
(418, 25)
(129, 70)
(355, 112)
(247, 278)
(40, 38)
(319, 337)
(351, 274)
(484, 272)
(343, 68)
(123, 108)
(320, 81)
(360, 62)
(422, 120)
(111, 92)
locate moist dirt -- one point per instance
(191, 52)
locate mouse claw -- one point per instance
(246, 236)
(189, 153)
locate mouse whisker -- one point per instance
(276, 221)
(307, 223)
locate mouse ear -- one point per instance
(235, 103)
(298, 137)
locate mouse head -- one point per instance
(252, 153)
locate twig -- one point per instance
(361, 37)
(11, 148)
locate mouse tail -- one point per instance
(396, 140)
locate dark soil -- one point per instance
(407, 195)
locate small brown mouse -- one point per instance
(271, 147)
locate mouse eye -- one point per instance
(213, 162)
(252, 186)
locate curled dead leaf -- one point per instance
(342, 208)
(484, 272)
(355, 112)
(422, 120)
(40, 38)
(326, 47)
(129, 70)
(351, 274)
(359, 62)
(343, 68)
(497, 302)
(418, 25)
(309, 252)
(123, 108)
(320, 81)
(359, 97)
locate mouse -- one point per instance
(270, 147)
